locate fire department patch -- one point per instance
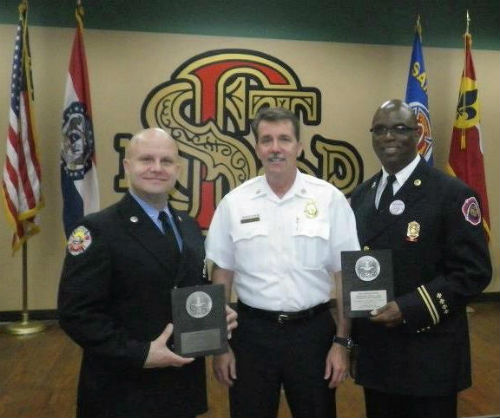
(471, 211)
(79, 240)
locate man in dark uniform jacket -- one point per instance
(114, 297)
(414, 353)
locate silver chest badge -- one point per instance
(397, 207)
(198, 304)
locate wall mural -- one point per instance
(207, 106)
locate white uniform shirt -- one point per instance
(282, 251)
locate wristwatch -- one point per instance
(347, 342)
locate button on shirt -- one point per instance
(282, 251)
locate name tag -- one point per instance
(250, 218)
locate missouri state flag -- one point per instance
(21, 182)
(416, 95)
(78, 162)
(466, 150)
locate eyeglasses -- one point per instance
(397, 130)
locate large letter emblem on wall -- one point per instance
(208, 105)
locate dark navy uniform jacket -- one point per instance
(441, 261)
(114, 298)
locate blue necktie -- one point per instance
(168, 232)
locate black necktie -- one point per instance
(387, 194)
(168, 232)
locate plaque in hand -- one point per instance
(367, 281)
(199, 318)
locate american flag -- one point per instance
(21, 173)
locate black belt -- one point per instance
(281, 316)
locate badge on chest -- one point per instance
(413, 231)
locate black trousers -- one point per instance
(387, 405)
(270, 355)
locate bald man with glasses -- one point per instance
(414, 354)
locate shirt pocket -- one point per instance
(311, 244)
(250, 243)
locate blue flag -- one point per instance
(416, 95)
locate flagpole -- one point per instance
(25, 327)
(21, 210)
(466, 35)
(469, 308)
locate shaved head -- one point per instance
(152, 165)
(148, 134)
(397, 105)
(395, 135)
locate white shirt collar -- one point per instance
(402, 175)
(297, 189)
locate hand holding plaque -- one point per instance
(367, 281)
(199, 317)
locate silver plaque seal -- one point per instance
(367, 268)
(198, 304)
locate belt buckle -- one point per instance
(282, 318)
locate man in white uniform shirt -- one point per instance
(278, 237)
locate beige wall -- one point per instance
(125, 66)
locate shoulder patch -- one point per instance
(79, 240)
(471, 211)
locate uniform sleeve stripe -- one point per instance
(429, 304)
(433, 307)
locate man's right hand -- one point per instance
(224, 366)
(389, 315)
(160, 355)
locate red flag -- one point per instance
(466, 151)
(21, 172)
(79, 185)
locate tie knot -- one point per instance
(387, 193)
(162, 216)
(165, 221)
(391, 178)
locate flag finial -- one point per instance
(418, 27)
(468, 22)
(23, 6)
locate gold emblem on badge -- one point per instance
(413, 231)
(310, 209)
(417, 182)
